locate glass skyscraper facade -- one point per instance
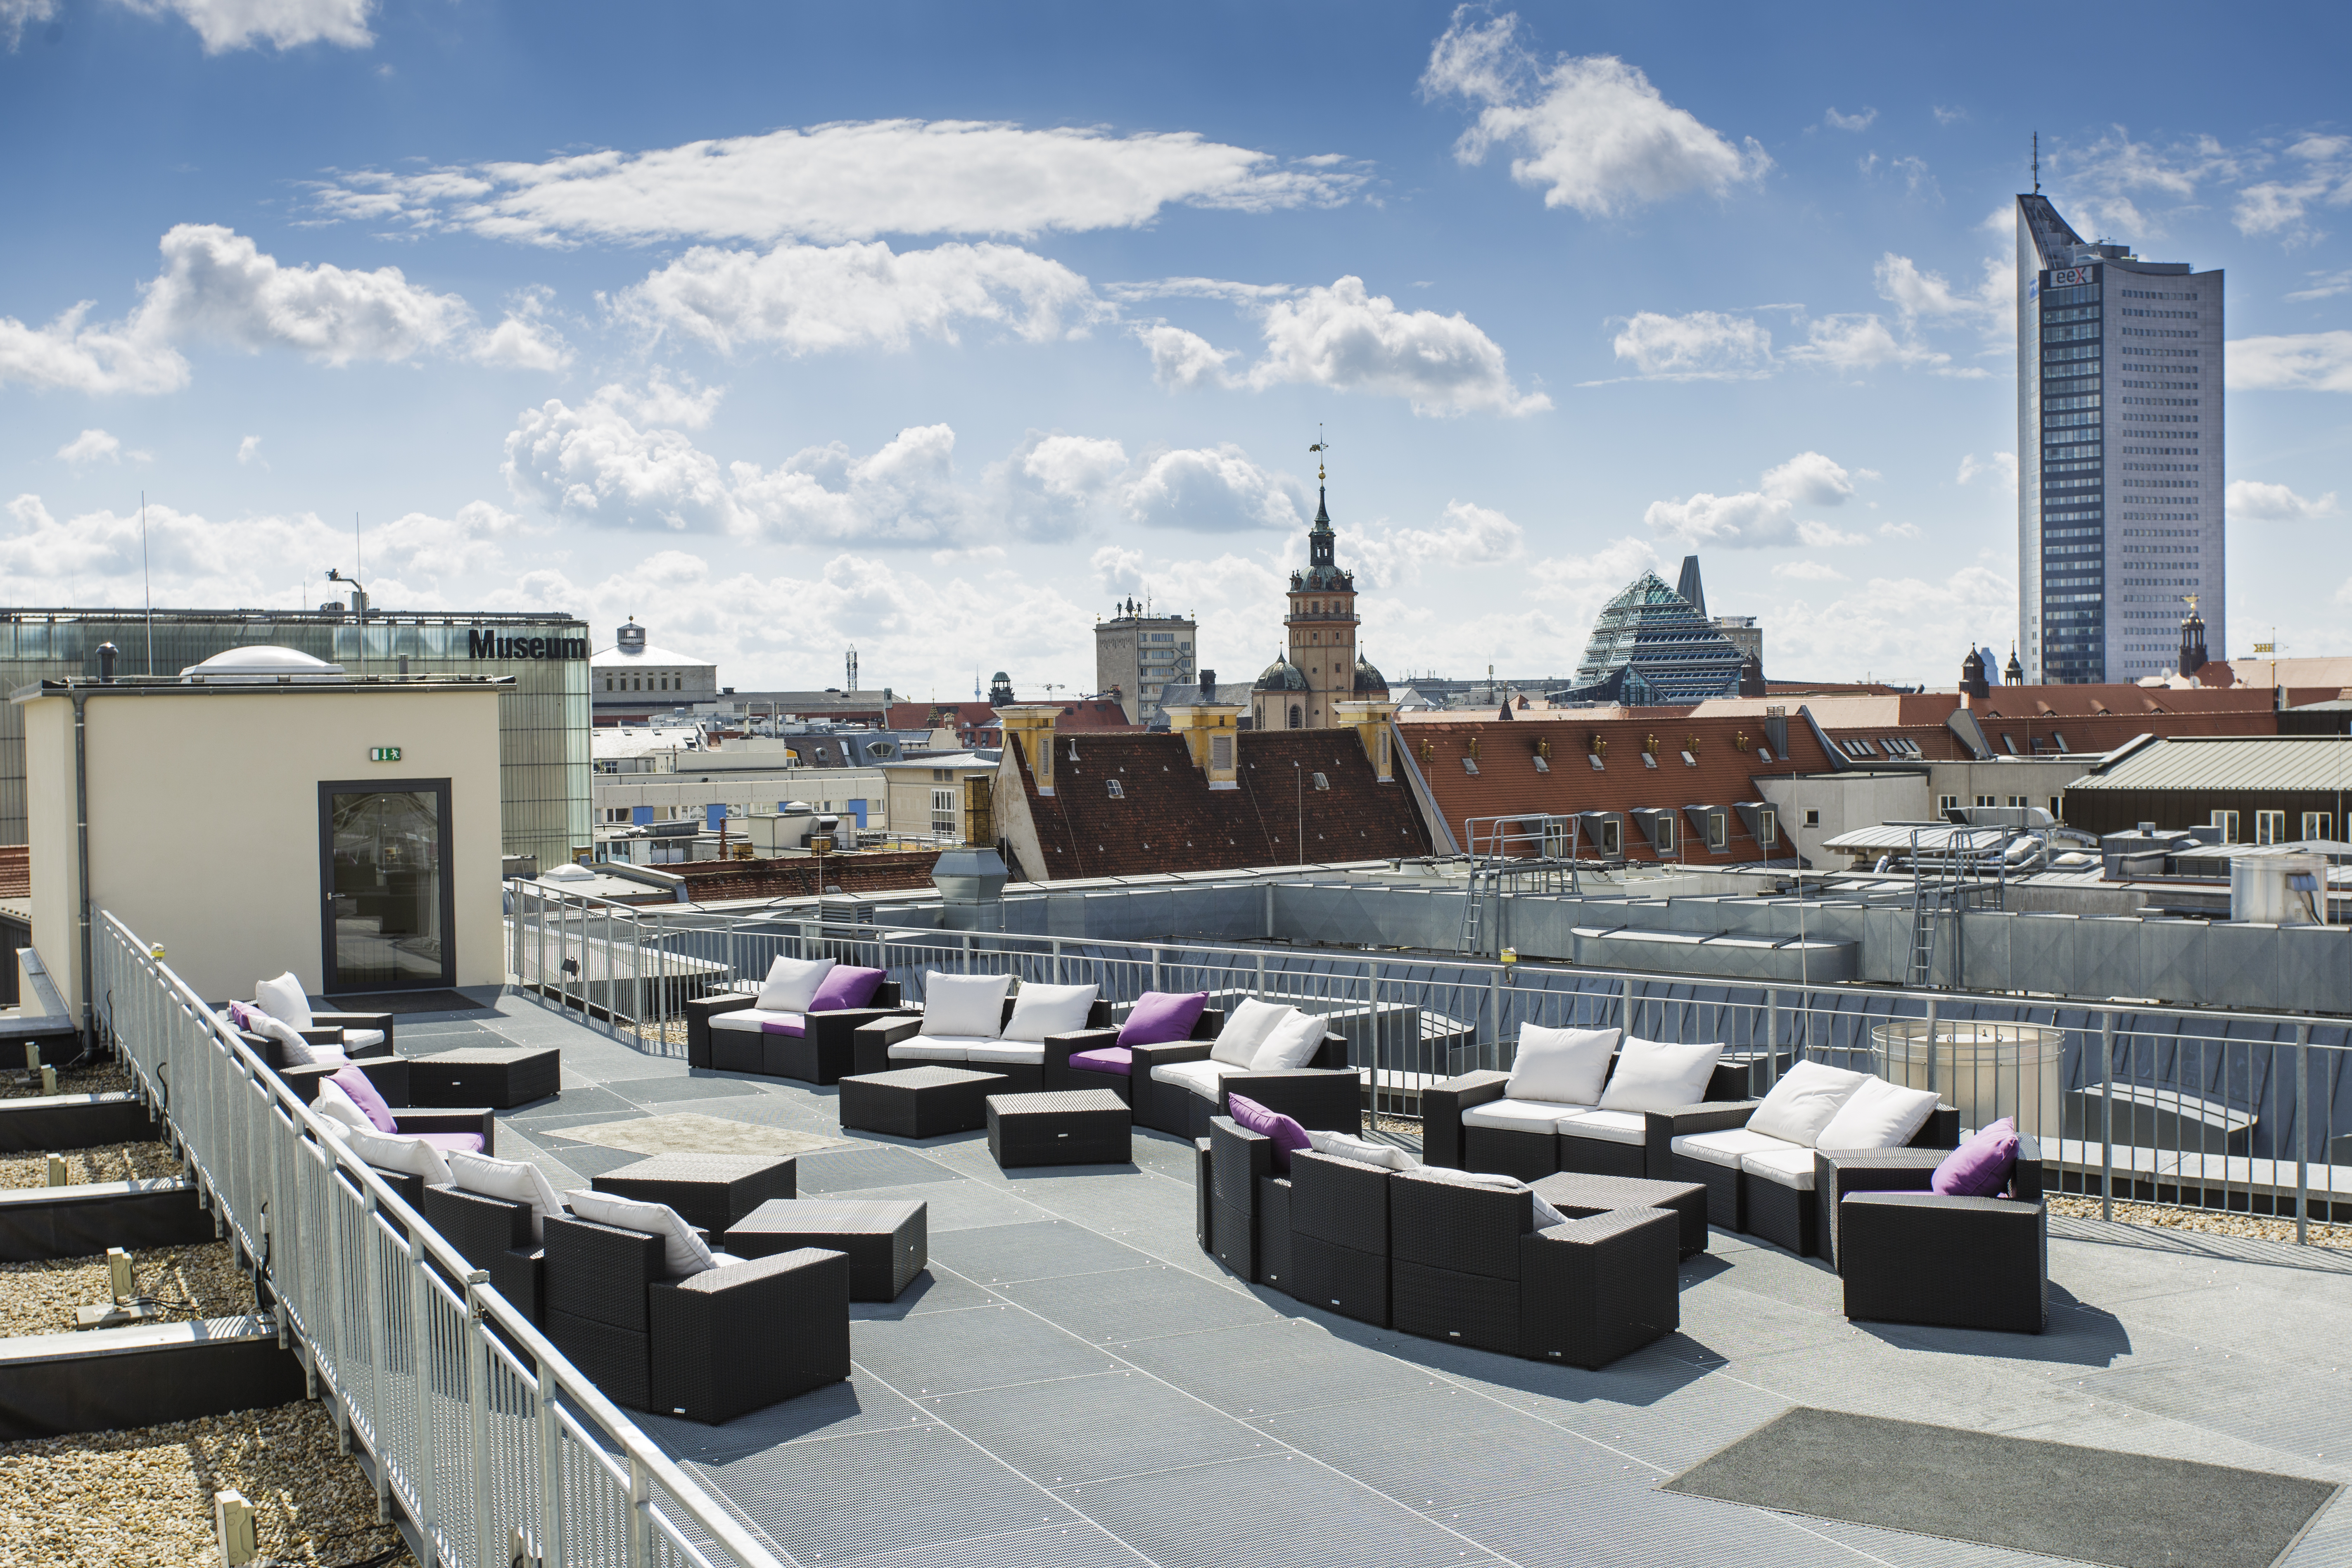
(543, 718)
(2119, 430)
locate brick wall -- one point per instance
(797, 877)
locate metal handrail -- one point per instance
(271, 1169)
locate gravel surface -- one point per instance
(2211, 1222)
(107, 1078)
(189, 1282)
(108, 1162)
(105, 1498)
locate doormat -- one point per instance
(2094, 1505)
(686, 1132)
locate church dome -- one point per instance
(1282, 676)
(1369, 682)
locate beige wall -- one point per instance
(203, 821)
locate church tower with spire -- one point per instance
(1322, 663)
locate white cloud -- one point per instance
(2312, 362)
(1860, 122)
(91, 447)
(249, 451)
(1466, 535)
(850, 180)
(1702, 345)
(610, 461)
(1350, 340)
(2107, 182)
(1217, 490)
(69, 356)
(1862, 342)
(1895, 629)
(16, 15)
(225, 24)
(1202, 288)
(1181, 361)
(903, 493)
(2002, 467)
(804, 299)
(2253, 501)
(1917, 295)
(1053, 485)
(1808, 572)
(525, 340)
(1902, 530)
(1945, 116)
(1763, 517)
(2323, 176)
(1591, 132)
(217, 284)
(2324, 286)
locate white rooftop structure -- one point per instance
(262, 662)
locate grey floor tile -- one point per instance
(849, 1169)
(1041, 1250)
(1123, 1305)
(1077, 1430)
(1443, 1449)
(689, 1086)
(1266, 1369)
(1078, 1545)
(928, 1355)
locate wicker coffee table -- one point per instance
(1077, 1127)
(887, 1243)
(919, 1102)
(501, 1077)
(1577, 1196)
(710, 1192)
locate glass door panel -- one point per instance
(388, 899)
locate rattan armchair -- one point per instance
(1112, 1066)
(823, 1053)
(491, 1234)
(1325, 1095)
(1909, 1255)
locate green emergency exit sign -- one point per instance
(383, 753)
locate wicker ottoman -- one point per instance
(887, 1243)
(710, 1192)
(498, 1077)
(1074, 1127)
(1577, 1196)
(919, 1102)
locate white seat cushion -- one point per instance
(1202, 1077)
(1518, 1115)
(1017, 1053)
(1788, 1166)
(1291, 1044)
(1802, 1103)
(940, 1047)
(360, 1039)
(1728, 1147)
(1606, 1126)
(284, 999)
(749, 1019)
(1659, 1074)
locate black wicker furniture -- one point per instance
(1516, 1140)
(1578, 1194)
(491, 1234)
(1837, 1172)
(1075, 1127)
(821, 1053)
(1764, 1186)
(1178, 1088)
(1340, 1235)
(502, 1076)
(919, 1102)
(710, 1192)
(887, 1244)
(899, 1041)
(389, 1075)
(1092, 1058)
(272, 1050)
(1909, 1255)
(708, 1346)
(1246, 1209)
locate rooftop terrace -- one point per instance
(1076, 1382)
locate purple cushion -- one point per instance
(454, 1143)
(1162, 1017)
(1288, 1135)
(770, 1026)
(240, 1016)
(1105, 1058)
(845, 987)
(362, 1090)
(1981, 1167)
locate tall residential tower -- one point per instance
(2119, 434)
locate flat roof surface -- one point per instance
(1075, 1383)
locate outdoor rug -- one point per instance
(2094, 1505)
(685, 1133)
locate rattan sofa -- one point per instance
(1775, 1200)
(895, 1042)
(1618, 1144)
(823, 1053)
(1909, 1255)
(1325, 1095)
(1111, 1065)
(709, 1346)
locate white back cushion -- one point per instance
(1565, 1066)
(1544, 1212)
(397, 1151)
(336, 1106)
(1878, 1115)
(971, 1006)
(683, 1252)
(284, 1000)
(1804, 1101)
(296, 1051)
(1291, 1044)
(515, 1181)
(792, 983)
(1652, 1075)
(1363, 1151)
(1042, 1010)
(1246, 1028)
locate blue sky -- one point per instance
(935, 330)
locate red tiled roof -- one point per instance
(1507, 783)
(15, 871)
(1937, 742)
(1167, 818)
(2028, 732)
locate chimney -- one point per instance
(1209, 729)
(1030, 726)
(1370, 721)
(106, 652)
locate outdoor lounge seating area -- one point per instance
(799, 1022)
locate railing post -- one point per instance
(477, 1399)
(2303, 1137)
(639, 1546)
(1494, 1009)
(1058, 977)
(1934, 1004)
(1625, 993)
(1155, 966)
(379, 1352)
(423, 1468)
(2106, 1116)
(550, 1472)
(1772, 1041)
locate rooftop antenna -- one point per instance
(2037, 162)
(147, 582)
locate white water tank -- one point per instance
(2279, 890)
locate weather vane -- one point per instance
(1320, 447)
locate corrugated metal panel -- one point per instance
(2238, 763)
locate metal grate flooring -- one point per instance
(1074, 1384)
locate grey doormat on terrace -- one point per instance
(2094, 1505)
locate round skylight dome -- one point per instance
(263, 662)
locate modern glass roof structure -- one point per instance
(1651, 645)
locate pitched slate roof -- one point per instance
(1165, 817)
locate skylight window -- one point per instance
(1689, 761)
(1117, 790)
(1322, 782)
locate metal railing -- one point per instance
(494, 1449)
(2193, 1108)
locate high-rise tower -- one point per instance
(2119, 428)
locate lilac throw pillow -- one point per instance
(1288, 1135)
(362, 1090)
(845, 987)
(1162, 1017)
(1981, 1167)
(240, 1016)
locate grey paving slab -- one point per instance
(574, 1103)
(1445, 1449)
(874, 1165)
(1123, 1305)
(1267, 1369)
(930, 1355)
(1077, 1430)
(1079, 1546)
(955, 1206)
(929, 1291)
(1040, 1249)
(695, 1086)
(589, 1159)
(839, 1410)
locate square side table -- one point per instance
(919, 1102)
(887, 1244)
(1077, 1127)
(710, 1192)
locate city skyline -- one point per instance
(945, 334)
